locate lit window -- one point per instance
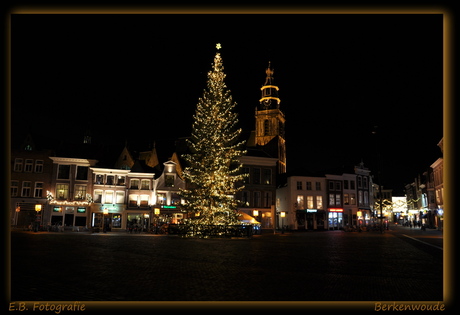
(300, 204)
(134, 184)
(80, 192)
(62, 191)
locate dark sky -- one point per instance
(139, 77)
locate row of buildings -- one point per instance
(88, 185)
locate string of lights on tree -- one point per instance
(213, 168)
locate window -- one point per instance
(80, 192)
(120, 197)
(110, 179)
(169, 180)
(38, 166)
(62, 191)
(266, 127)
(360, 198)
(345, 184)
(299, 185)
(28, 165)
(109, 197)
(82, 173)
(257, 199)
(267, 176)
(63, 171)
(121, 181)
(38, 191)
(99, 179)
(331, 199)
(245, 170)
(338, 186)
(331, 185)
(319, 202)
(267, 199)
(352, 184)
(161, 198)
(14, 188)
(359, 182)
(145, 184)
(144, 201)
(134, 184)
(366, 198)
(175, 199)
(300, 202)
(365, 182)
(318, 185)
(98, 196)
(133, 200)
(352, 199)
(338, 200)
(308, 186)
(18, 165)
(346, 199)
(256, 175)
(245, 197)
(310, 204)
(26, 186)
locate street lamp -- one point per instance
(38, 209)
(105, 211)
(282, 215)
(18, 209)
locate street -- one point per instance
(398, 265)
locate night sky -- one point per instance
(139, 77)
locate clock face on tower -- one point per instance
(267, 103)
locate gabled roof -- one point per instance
(140, 167)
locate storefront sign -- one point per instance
(169, 207)
(336, 210)
(81, 210)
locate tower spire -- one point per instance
(269, 99)
(270, 121)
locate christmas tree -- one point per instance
(213, 173)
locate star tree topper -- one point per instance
(218, 46)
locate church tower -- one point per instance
(270, 122)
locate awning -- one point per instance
(246, 218)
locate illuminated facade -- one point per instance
(325, 201)
(69, 197)
(31, 173)
(258, 195)
(269, 134)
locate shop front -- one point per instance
(69, 216)
(311, 219)
(137, 221)
(107, 217)
(335, 218)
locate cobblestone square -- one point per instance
(309, 266)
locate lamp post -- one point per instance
(38, 209)
(18, 209)
(104, 228)
(282, 215)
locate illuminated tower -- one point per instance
(270, 122)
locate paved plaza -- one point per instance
(295, 266)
